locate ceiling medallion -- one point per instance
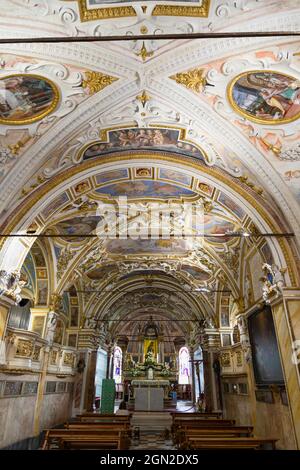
(26, 98)
(192, 79)
(265, 96)
(96, 81)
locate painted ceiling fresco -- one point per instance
(145, 189)
(134, 139)
(83, 123)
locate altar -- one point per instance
(149, 395)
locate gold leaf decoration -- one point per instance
(144, 54)
(192, 79)
(97, 81)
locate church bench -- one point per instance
(125, 427)
(58, 436)
(180, 422)
(194, 443)
(99, 416)
(91, 442)
(213, 431)
(205, 415)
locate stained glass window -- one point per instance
(184, 366)
(117, 365)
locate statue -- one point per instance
(273, 281)
(51, 326)
(11, 284)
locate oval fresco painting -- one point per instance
(25, 99)
(266, 97)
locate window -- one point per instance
(117, 365)
(184, 366)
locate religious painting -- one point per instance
(151, 348)
(25, 99)
(99, 273)
(42, 292)
(265, 353)
(267, 254)
(166, 140)
(214, 226)
(146, 189)
(112, 175)
(74, 316)
(178, 177)
(266, 97)
(151, 246)
(197, 273)
(231, 205)
(55, 205)
(224, 317)
(38, 256)
(78, 226)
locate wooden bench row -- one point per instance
(194, 433)
(105, 432)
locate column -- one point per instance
(193, 376)
(287, 325)
(40, 391)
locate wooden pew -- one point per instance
(194, 443)
(213, 431)
(97, 417)
(206, 415)
(99, 437)
(199, 423)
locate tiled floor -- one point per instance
(153, 441)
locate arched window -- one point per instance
(117, 365)
(184, 366)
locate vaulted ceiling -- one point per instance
(212, 121)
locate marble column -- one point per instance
(40, 391)
(287, 324)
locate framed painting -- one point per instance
(26, 98)
(265, 353)
(265, 96)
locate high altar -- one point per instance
(150, 379)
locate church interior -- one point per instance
(119, 327)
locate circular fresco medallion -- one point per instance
(26, 98)
(266, 97)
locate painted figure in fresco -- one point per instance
(23, 97)
(135, 138)
(267, 95)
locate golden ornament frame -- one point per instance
(106, 12)
(39, 116)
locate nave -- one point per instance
(149, 224)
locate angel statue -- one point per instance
(273, 281)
